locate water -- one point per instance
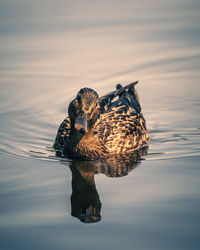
(48, 51)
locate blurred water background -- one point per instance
(48, 51)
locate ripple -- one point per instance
(173, 144)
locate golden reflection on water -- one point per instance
(85, 200)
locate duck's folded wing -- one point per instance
(62, 138)
(121, 130)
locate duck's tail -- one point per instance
(130, 95)
(127, 93)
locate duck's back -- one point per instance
(121, 128)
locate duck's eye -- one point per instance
(81, 114)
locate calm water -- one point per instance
(48, 51)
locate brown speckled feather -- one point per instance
(121, 130)
(62, 137)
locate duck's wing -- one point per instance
(121, 126)
(62, 137)
(121, 130)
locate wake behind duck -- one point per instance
(102, 127)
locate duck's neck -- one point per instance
(75, 137)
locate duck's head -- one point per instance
(83, 110)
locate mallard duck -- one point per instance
(99, 127)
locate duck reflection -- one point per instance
(85, 201)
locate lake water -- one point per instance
(49, 50)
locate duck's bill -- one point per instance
(81, 124)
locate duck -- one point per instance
(99, 127)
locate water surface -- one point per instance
(48, 51)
